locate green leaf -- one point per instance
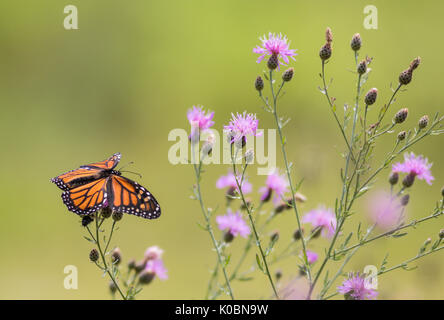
(259, 263)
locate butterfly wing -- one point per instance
(127, 196)
(87, 198)
(86, 173)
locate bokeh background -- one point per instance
(127, 76)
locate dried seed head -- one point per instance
(146, 277)
(117, 216)
(297, 235)
(259, 83)
(423, 122)
(415, 63)
(370, 97)
(328, 35)
(228, 237)
(273, 62)
(408, 180)
(106, 212)
(401, 135)
(94, 255)
(401, 115)
(405, 77)
(325, 51)
(356, 42)
(405, 200)
(288, 75)
(116, 256)
(393, 178)
(362, 67)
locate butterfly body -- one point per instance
(98, 185)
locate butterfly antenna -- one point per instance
(126, 165)
(136, 173)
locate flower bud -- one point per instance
(441, 234)
(117, 216)
(228, 237)
(370, 97)
(267, 195)
(442, 191)
(132, 264)
(86, 220)
(106, 212)
(325, 51)
(405, 200)
(362, 67)
(401, 115)
(423, 122)
(273, 62)
(288, 75)
(94, 255)
(405, 77)
(278, 274)
(415, 63)
(146, 277)
(297, 235)
(393, 179)
(112, 287)
(259, 83)
(408, 180)
(356, 42)
(401, 135)
(116, 256)
(139, 266)
(316, 232)
(328, 35)
(274, 236)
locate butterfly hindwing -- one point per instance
(130, 197)
(87, 198)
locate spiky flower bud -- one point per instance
(441, 234)
(274, 236)
(86, 220)
(423, 122)
(401, 135)
(405, 200)
(273, 62)
(94, 255)
(106, 212)
(228, 237)
(117, 216)
(405, 77)
(278, 274)
(408, 180)
(393, 178)
(362, 67)
(401, 115)
(297, 235)
(370, 97)
(288, 75)
(116, 256)
(146, 277)
(132, 264)
(325, 51)
(356, 42)
(259, 83)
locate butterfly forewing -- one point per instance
(130, 197)
(107, 164)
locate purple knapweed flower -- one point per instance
(199, 121)
(156, 267)
(277, 184)
(418, 166)
(233, 223)
(277, 45)
(355, 288)
(153, 253)
(385, 210)
(229, 181)
(242, 125)
(322, 217)
(312, 256)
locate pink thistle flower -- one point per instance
(153, 253)
(322, 217)
(275, 44)
(199, 121)
(385, 210)
(417, 166)
(229, 181)
(312, 256)
(355, 288)
(157, 268)
(233, 223)
(242, 125)
(276, 183)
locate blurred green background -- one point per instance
(127, 76)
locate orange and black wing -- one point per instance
(87, 198)
(127, 196)
(86, 173)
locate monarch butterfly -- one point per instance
(98, 185)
